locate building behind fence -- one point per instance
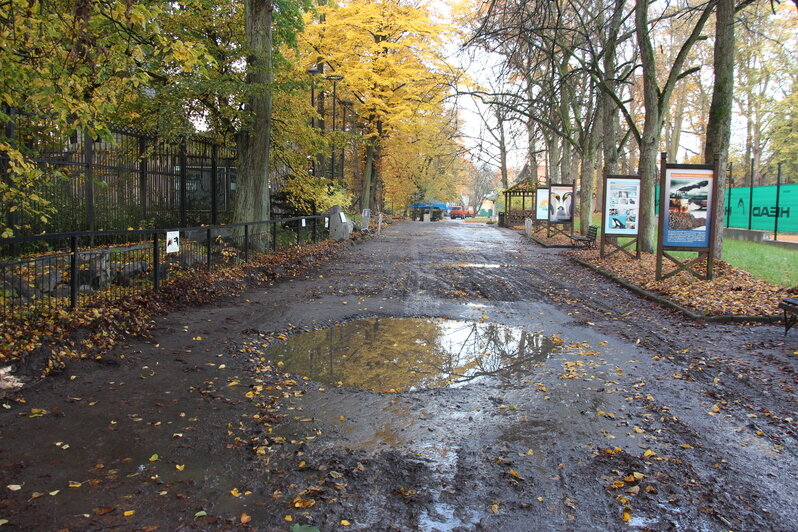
(132, 179)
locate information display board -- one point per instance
(542, 204)
(622, 208)
(561, 203)
(687, 207)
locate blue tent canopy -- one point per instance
(432, 204)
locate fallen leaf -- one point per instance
(245, 519)
(14, 487)
(299, 502)
(649, 453)
(102, 510)
(130, 513)
(513, 473)
(180, 467)
(344, 522)
(154, 458)
(235, 493)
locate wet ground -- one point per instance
(530, 395)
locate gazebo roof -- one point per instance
(527, 186)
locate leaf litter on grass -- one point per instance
(732, 292)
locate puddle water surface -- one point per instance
(406, 354)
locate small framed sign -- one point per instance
(303, 222)
(173, 241)
(343, 217)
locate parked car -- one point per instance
(458, 211)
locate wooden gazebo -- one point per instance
(525, 190)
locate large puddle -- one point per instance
(388, 355)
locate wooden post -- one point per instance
(663, 161)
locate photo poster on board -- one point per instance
(542, 204)
(622, 208)
(561, 204)
(687, 213)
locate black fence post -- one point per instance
(183, 179)
(729, 181)
(208, 244)
(315, 231)
(274, 235)
(751, 197)
(143, 175)
(778, 204)
(156, 262)
(88, 155)
(246, 242)
(214, 184)
(73, 272)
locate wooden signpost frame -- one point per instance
(559, 228)
(611, 240)
(705, 254)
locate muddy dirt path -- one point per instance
(634, 419)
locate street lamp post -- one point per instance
(335, 78)
(315, 70)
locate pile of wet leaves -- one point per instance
(732, 291)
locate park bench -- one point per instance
(790, 308)
(587, 241)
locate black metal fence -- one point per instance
(81, 268)
(132, 179)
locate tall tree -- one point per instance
(253, 140)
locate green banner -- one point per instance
(739, 203)
(763, 215)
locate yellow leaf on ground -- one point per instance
(513, 473)
(649, 453)
(299, 502)
(130, 513)
(245, 519)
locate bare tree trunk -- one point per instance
(253, 139)
(720, 111)
(649, 139)
(365, 200)
(675, 128)
(586, 192)
(502, 148)
(655, 100)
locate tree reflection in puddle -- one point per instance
(405, 354)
